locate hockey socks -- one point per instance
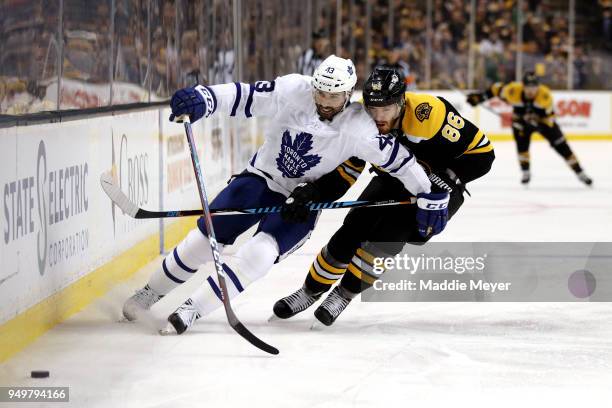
(524, 160)
(182, 263)
(324, 272)
(361, 276)
(252, 261)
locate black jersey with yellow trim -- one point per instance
(442, 139)
(333, 185)
(439, 137)
(513, 93)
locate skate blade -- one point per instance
(273, 318)
(167, 331)
(317, 326)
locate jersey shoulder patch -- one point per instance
(512, 93)
(543, 98)
(423, 116)
(422, 111)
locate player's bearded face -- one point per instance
(328, 103)
(385, 116)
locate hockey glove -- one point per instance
(446, 181)
(475, 98)
(295, 209)
(188, 101)
(531, 119)
(432, 213)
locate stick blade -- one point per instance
(112, 190)
(251, 338)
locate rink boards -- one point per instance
(582, 115)
(63, 242)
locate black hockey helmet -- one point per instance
(530, 79)
(318, 35)
(383, 87)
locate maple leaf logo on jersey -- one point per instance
(293, 159)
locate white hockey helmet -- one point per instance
(335, 74)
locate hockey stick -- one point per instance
(485, 107)
(118, 197)
(229, 312)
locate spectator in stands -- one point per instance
(581, 66)
(313, 56)
(491, 46)
(607, 26)
(396, 61)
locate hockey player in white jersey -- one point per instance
(312, 129)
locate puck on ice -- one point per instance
(39, 374)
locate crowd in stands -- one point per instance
(160, 45)
(545, 43)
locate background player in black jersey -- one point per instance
(451, 149)
(532, 110)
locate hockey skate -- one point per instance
(525, 177)
(333, 305)
(181, 319)
(584, 178)
(295, 303)
(140, 301)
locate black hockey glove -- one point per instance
(475, 98)
(531, 119)
(295, 209)
(446, 180)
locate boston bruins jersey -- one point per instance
(442, 139)
(437, 134)
(513, 94)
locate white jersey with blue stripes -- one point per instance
(300, 147)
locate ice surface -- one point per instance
(408, 354)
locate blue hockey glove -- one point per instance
(188, 101)
(432, 213)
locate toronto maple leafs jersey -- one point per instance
(300, 147)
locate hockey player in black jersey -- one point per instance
(451, 149)
(532, 111)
